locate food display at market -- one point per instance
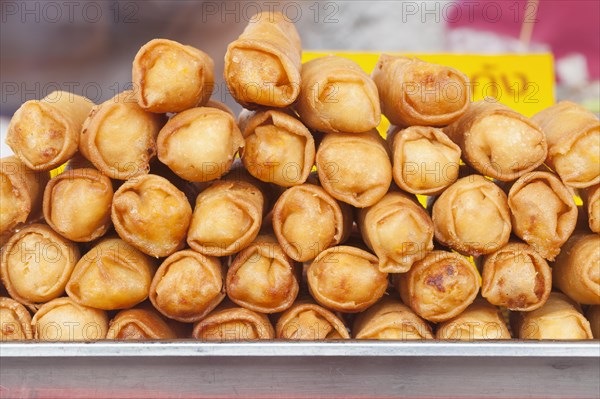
(159, 214)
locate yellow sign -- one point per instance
(524, 82)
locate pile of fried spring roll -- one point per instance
(174, 218)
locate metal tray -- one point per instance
(516, 369)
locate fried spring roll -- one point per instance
(263, 278)
(262, 66)
(227, 218)
(278, 148)
(139, 324)
(593, 316)
(497, 141)
(119, 137)
(592, 201)
(559, 318)
(337, 96)
(415, 92)
(576, 271)
(77, 204)
(112, 275)
(354, 168)
(398, 230)
(62, 319)
(573, 135)
(516, 277)
(22, 193)
(229, 323)
(187, 286)
(36, 264)
(171, 77)
(307, 220)
(44, 134)
(543, 212)
(389, 319)
(425, 161)
(440, 286)
(15, 321)
(199, 144)
(346, 279)
(151, 214)
(472, 216)
(480, 321)
(308, 321)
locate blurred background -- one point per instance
(88, 46)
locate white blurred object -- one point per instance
(5, 150)
(466, 40)
(573, 70)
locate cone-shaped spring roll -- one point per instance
(472, 216)
(262, 66)
(229, 323)
(337, 96)
(139, 324)
(199, 144)
(278, 147)
(171, 77)
(62, 319)
(187, 286)
(227, 218)
(398, 230)
(389, 319)
(415, 92)
(15, 321)
(516, 277)
(151, 214)
(36, 264)
(440, 286)
(573, 135)
(44, 134)
(593, 316)
(22, 193)
(308, 321)
(497, 141)
(307, 220)
(355, 168)
(543, 212)
(425, 161)
(346, 279)
(559, 318)
(119, 137)
(77, 204)
(576, 271)
(592, 201)
(263, 278)
(480, 321)
(112, 275)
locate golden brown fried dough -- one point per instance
(389, 319)
(573, 135)
(398, 230)
(119, 137)
(415, 92)
(543, 212)
(354, 168)
(171, 77)
(593, 316)
(36, 264)
(77, 204)
(187, 286)
(337, 96)
(262, 66)
(139, 324)
(480, 321)
(306, 320)
(44, 134)
(440, 286)
(151, 214)
(497, 141)
(229, 323)
(592, 202)
(15, 321)
(307, 221)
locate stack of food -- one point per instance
(154, 230)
